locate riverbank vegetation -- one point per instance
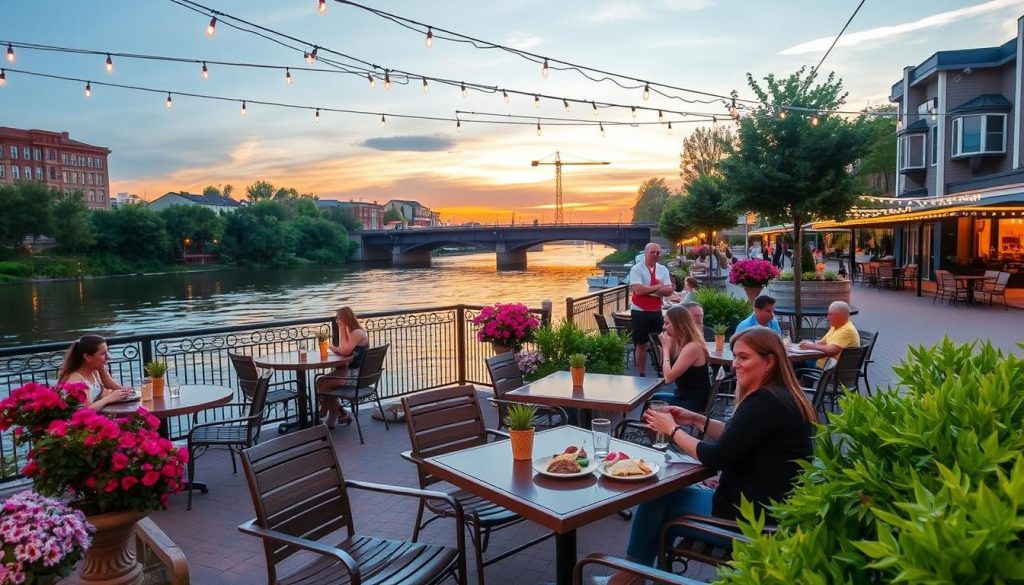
(276, 228)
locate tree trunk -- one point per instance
(797, 259)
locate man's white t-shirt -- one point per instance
(641, 274)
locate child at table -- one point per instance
(85, 363)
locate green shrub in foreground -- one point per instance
(721, 307)
(920, 484)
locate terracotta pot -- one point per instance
(577, 375)
(158, 387)
(719, 343)
(323, 350)
(111, 560)
(499, 348)
(522, 444)
(752, 293)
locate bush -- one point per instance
(17, 269)
(923, 483)
(620, 256)
(721, 307)
(605, 353)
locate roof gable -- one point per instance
(989, 102)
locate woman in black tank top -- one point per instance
(684, 361)
(353, 342)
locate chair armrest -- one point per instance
(312, 546)
(226, 421)
(411, 457)
(658, 576)
(498, 434)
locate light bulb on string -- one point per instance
(370, 79)
(244, 109)
(110, 64)
(206, 71)
(321, 7)
(387, 81)
(536, 101)
(814, 119)
(458, 125)
(632, 111)
(733, 112)
(170, 102)
(10, 53)
(430, 38)
(661, 117)
(3, 77)
(462, 90)
(714, 121)
(312, 54)
(383, 121)
(211, 29)
(426, 88)
(288, 76)
(88, 89)
(934, 115)
(543, 70)
(593, 106)
(899, 124)
(647, 92)
(783, 113)
(565, 103)
(504, 95)
(539, 131)
(316, 118)
(600, 126)
(670, 127)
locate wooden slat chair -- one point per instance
(885, 276)
(235, 433)
(364, 388)
(642, 572)
(446, 420)
(683, 549)
(302, 506)
(279, 393)
(910, 273)
(505, 377)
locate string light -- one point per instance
(661, 117)
(3, 77)
(169, 102)
(206, 71)
(566, 104)
(539, 131)
(387, 81)
(543, 70)
(88, 89)
(430, 38)
(211, 29)
(733, 112)
(647, 91)
(899, 124)
(462, 88)
(670, 127)
(426, 88)
(536, 101)
(316, 118)
(632, 110)
(601, 126)
(10, 53)
(814, 119)
(714, 121)
(110, 63)
(594, 107)
(458, 125)
(504, 95)
(373, 83)
(244, 109)
(321, 7)
(934, 115)
(782, 114)
(287, 76)
(383, 121)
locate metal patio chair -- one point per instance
(505, 377)
(364, 387)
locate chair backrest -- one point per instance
(505, 373)
(247, 373)
(910, 271)
(991, 274)
(297, 488)
(868, 338)
(442, 421)
(258, 404)
(623, 322)
(1001, 280)
(372, 367)
(885, 270)
(946, 278)
(654, 349)
(828, 374)
(849, 365)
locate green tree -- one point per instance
(134, 232)
(794, 168)
(343, 218)
(702, 151)
(284, 194)
(320, 239)
(705, 208)
(259, 234)
(72, 223)
(392, 215)
(195, 223)
(26, 209)
(651, 199)
(877, 169)
(259, 191)
(211, 190)
(228, 190)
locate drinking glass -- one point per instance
(660, 441)
(146, 389)
(601, 429)
(173, 387)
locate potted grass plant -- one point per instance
(719, 329)
(520, 425)
(156, 371)
(577, 367)
(322, 339)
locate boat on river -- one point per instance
(606, 280)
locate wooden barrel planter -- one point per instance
(814, 293)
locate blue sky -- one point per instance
(483, 172)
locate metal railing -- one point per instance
(430, 348)
(581, 310)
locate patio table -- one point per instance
(970, 281)
(617, 393)
(818, 314)
(561, 505)
(300, 362)
(725, 357)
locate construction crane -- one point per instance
(558, 164)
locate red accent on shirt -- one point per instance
(649, 302)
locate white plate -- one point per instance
(603, 470)
(541, 467)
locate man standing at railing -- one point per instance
(649, 282)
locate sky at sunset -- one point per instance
(482, 173)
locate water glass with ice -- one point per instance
(660, 441)
(601, 429)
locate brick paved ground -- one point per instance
(219, 554)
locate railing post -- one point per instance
(568, 309)
(147, 353)
(545, 317)
(460, 342)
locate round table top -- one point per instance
(725, 357)
(193, 398)
(809, 311)
(300, 360)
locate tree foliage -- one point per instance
(210, 190)
(259, 191)
(790, 169)
(258, 234)
(72, 223)
(132, 231)
(651, 199)
(343, 218)
(702, 151)
(392, 215)
(199, 225)
(26, 209)
(704, 209)
(877, 169)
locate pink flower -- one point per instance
(150, 478)
(119, 461)
(128, 481)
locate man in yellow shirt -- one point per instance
(840, 335)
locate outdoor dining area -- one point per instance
(969, 289)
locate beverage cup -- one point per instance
(660, 440)
(173, 388)
(147, 389)
(601, 429)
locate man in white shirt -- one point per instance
(649, 283)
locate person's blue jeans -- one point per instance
(650, 516)
(672, 399)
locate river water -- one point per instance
(57, 311)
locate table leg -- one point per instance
(970, 293)
(303, 411)
(565, 557)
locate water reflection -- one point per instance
(52, 311)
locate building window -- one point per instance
(37, 154)
(39, 174)
(28, 173)
(984, 134)
(99, 163)
(912, 151)
(14, 172)
(14, 152)
(99, 178)
(53, 174)
(50, 154)
(65, 175)
(2, 167)
(26, 153)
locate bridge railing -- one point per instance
(581, 310)
(430, 348)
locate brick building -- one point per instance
(59, 162)
(371, 214)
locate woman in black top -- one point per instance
(757, 451)
(684, 361)
(353, 341)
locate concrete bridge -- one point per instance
(412, 246)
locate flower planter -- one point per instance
(499, 348)
(752, 293)
(577, 375)
(111, 560)
(522, 444)
(816, 294)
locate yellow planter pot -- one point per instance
(522, 444)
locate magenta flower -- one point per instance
(507, 324)
(753, 272)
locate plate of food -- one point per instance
(622, 466)
(573, 462)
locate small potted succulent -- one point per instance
(323, 337)
(719, 329)
(156, 371)
(520, 425)
(577, 367)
